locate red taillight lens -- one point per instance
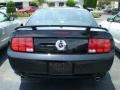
(22, 44)
(99, 46)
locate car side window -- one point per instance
(3, 17)
(117, 18)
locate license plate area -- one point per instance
(60, 68)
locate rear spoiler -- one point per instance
(34, 27)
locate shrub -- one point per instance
(70, 3)
(20, 14)
(11, 8)
(34, 3)
(90, 3)
(40, 2)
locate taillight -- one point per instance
(22, 44)
(99, 46)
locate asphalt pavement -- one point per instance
(10, 81)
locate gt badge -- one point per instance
(61, 45)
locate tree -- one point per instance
(90, 3)
(103, 2)
(70, 3)
(33, 3)
(40, 2)
(119, 4)
(11, 8)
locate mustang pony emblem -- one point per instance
(61, 45)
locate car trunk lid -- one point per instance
(60, 40)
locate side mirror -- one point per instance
(110, 20)
(11, 18)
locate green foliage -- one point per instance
(33, 3)
(11, 8)
(100, 4)
(103, 2)
(19, 14)
(70, 3)
(40, 2)
(90, 3)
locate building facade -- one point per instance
(51, 3)
(19, 3)
(60, 3)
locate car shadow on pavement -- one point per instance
(3, 55)
(67, 84)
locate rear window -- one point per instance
(62, 17)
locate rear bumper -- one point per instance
(38, 64)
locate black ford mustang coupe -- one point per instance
(61, 42)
